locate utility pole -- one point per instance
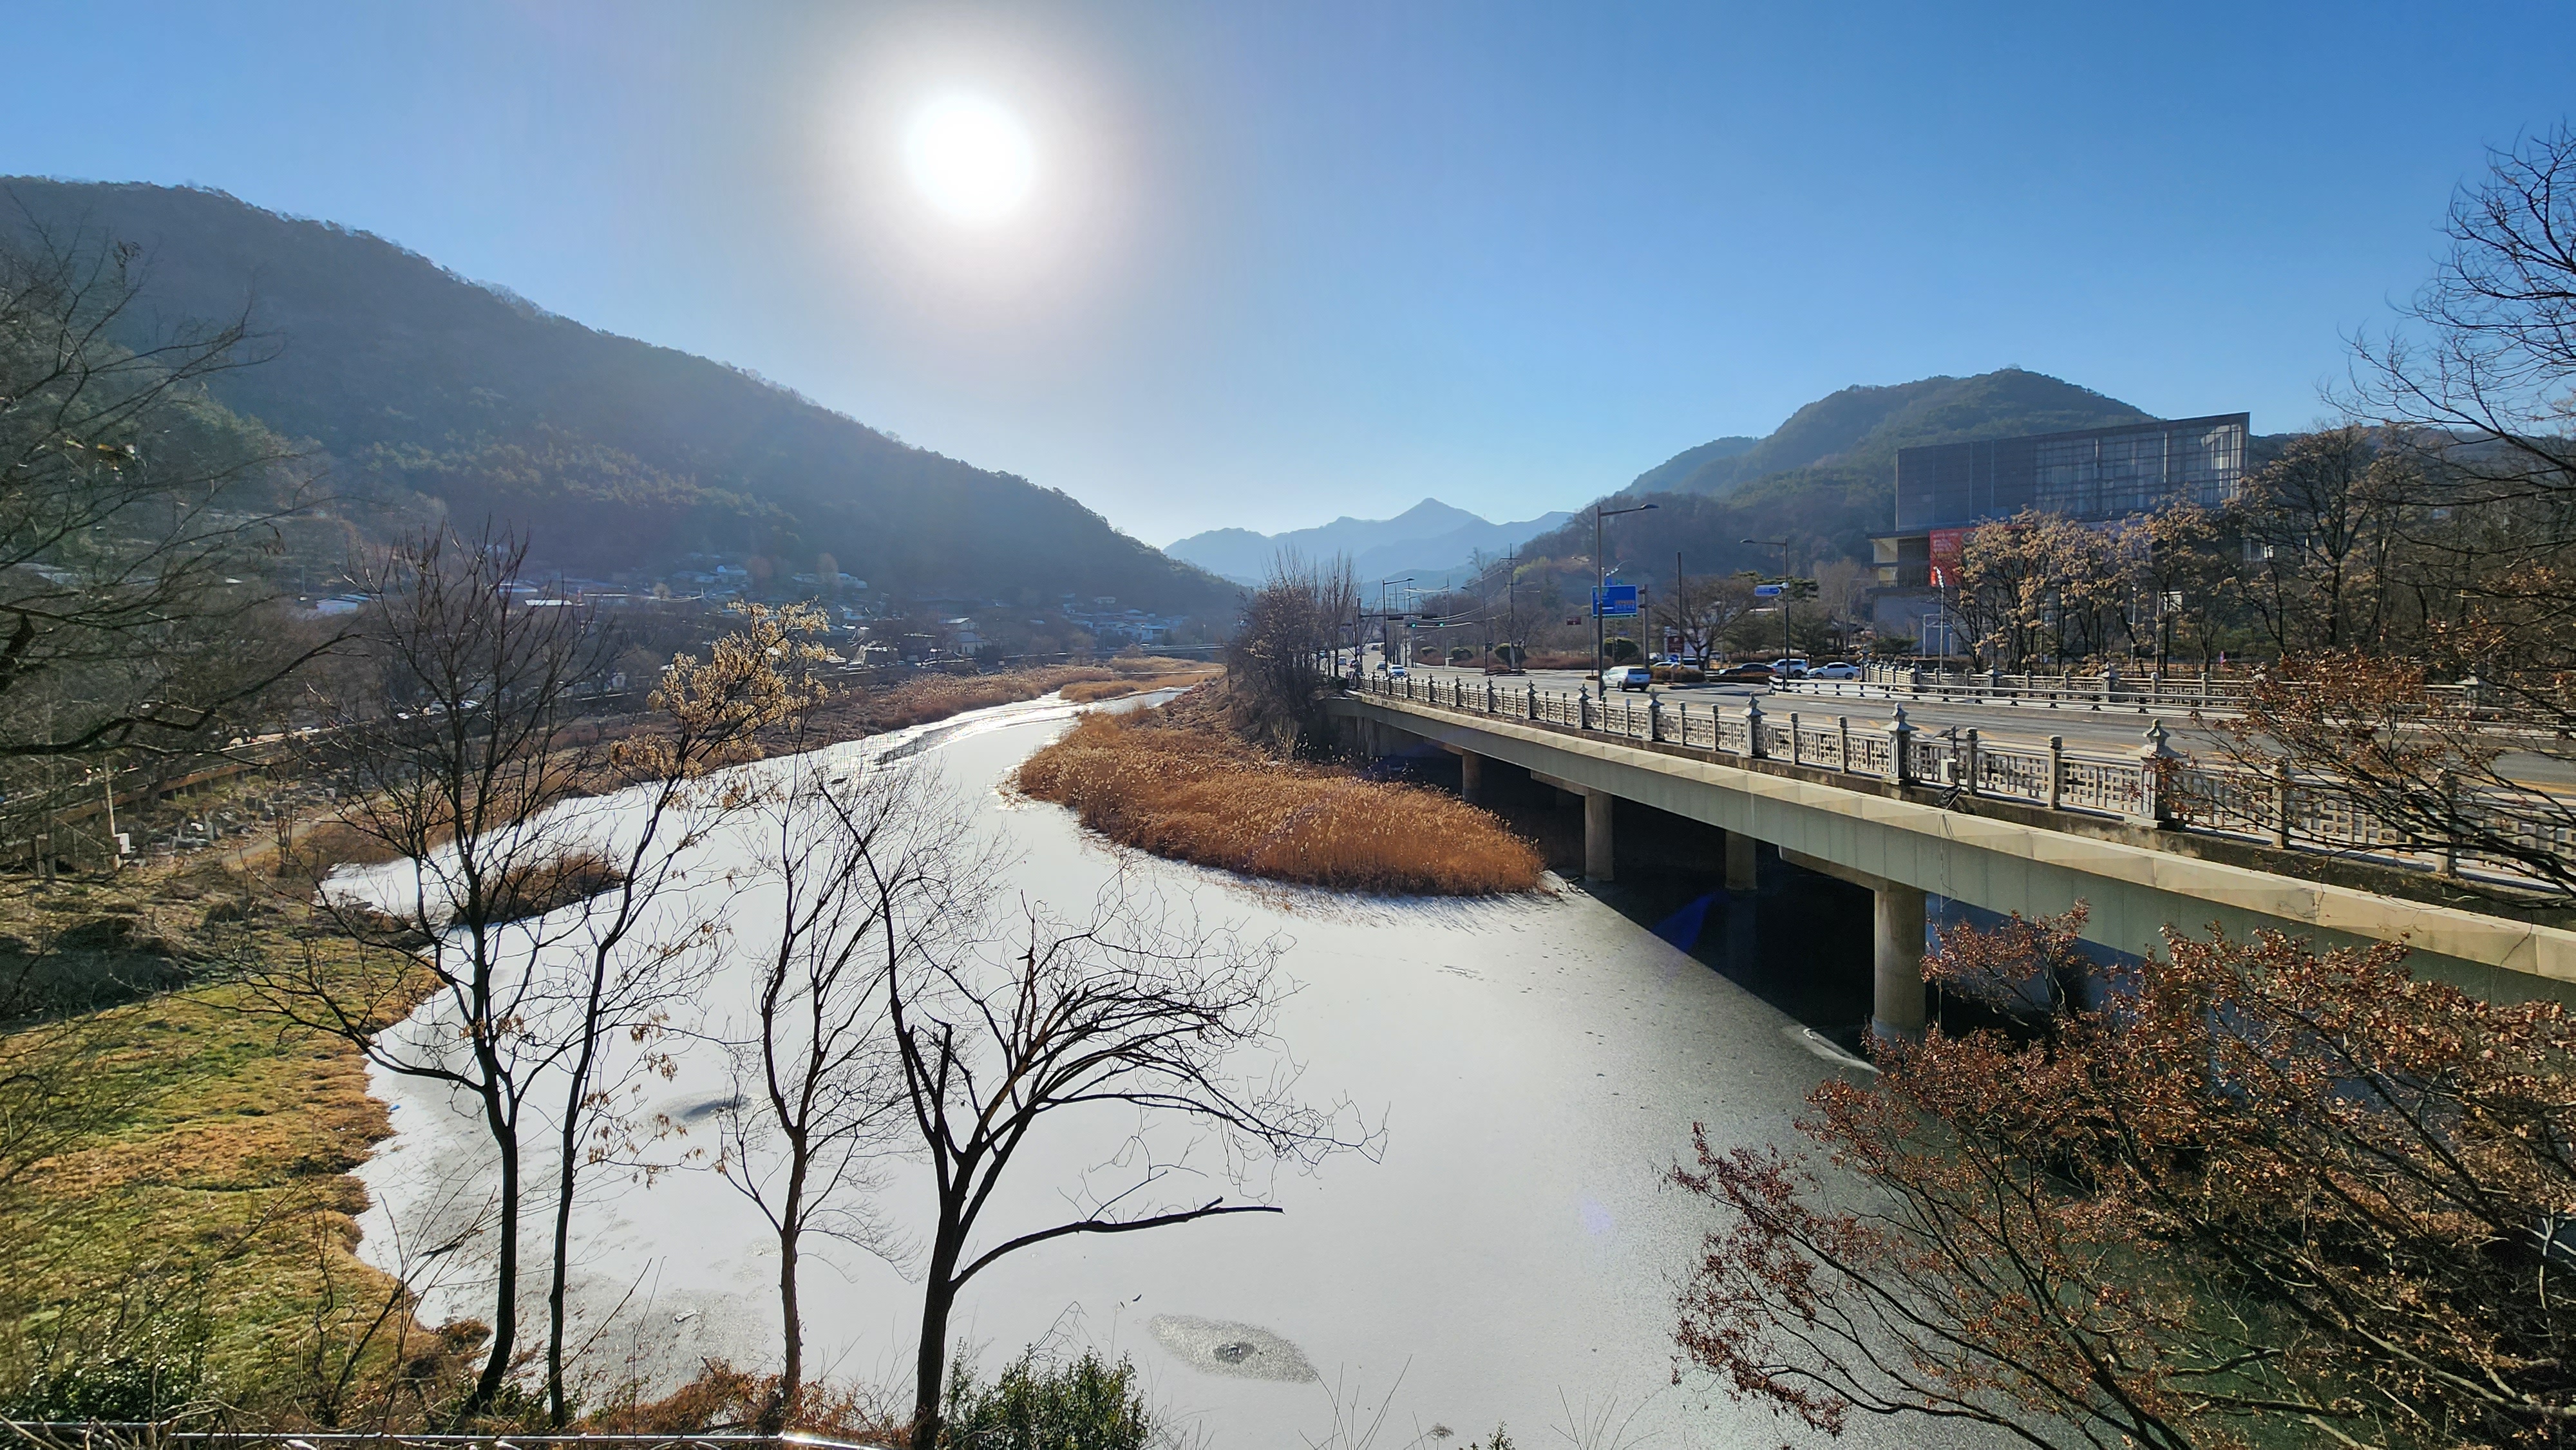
(1681, 612)
(1601, 567)
(1783, 546)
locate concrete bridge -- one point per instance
(2144, 839)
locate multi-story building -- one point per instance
(2091, 475)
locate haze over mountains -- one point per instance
(1429, 539)
(1823, 479)
(436, 395)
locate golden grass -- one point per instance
(1086, 692)
(1195, 794)
(208, 1167)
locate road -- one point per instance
(2120, 730)
(2096, 731)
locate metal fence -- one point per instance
(2109, 688)
(2154, 785)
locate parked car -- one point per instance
(1790, 667)
(1835, 670)
(1751, 673)
(1627, 677)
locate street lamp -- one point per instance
(1783, 546)
(1602, 565)
(1386, 636)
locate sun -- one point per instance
(971, 158)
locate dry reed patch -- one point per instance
(1196, 795)
(1089, 692)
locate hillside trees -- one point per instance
(133, 516)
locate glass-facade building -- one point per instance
(2092, 475)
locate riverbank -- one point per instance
(857, 713)
(1178, 784)
(177, 1214)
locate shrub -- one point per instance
(1089, 1404)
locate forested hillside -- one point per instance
(612, 453)
(1825, 478)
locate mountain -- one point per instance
(1825, 478)
(1428, 539)
(1860, 428)
(434, 393)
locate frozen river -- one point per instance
(1511, 1259)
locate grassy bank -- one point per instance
(177, 1223)
(1185, 788)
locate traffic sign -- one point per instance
(1615, 601)
(1766, 591)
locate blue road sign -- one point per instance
(1615, 601)
(1766, 591)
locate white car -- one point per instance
(1627, 677)
(1790, 667)
(1835, 670)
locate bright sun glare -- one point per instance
(970, 157)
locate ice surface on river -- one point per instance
(1539, 1062)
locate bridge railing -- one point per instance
(2488, 704)
(2154, 785)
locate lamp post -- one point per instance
(1783, 546)
(1385, 635)
(1601, 566)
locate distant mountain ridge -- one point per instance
(1826, 478)
(612, 453)
(1430, 538)
(1863, 427)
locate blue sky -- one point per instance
(1286, 262)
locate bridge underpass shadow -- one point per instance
(1800, 941)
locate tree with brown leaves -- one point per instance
(2260, 1195)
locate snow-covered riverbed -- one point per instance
(1538, 1061)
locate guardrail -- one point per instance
(2155, 786)
(2108, 689)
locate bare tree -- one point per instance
(2324, 518)
(133, 513)
(879, 873)
(1123, 1010)
(449, 749)
(710, 714)
(1281, 652)
(2262, 1196)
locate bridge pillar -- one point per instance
(1896, 1007)
(1739, 862)
(1471, 776)
(1596, 836)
